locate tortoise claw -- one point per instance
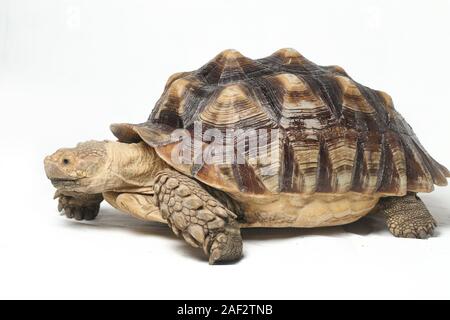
(79, 208)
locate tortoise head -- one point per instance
(79, 169)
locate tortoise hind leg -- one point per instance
(408, 217)
(193, 213)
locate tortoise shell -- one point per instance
(336, 135)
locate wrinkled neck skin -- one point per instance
(131, 168)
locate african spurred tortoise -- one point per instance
(328, 152)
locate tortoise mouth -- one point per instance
(64, 183)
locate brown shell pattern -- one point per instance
(337, 135)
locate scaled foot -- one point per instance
(79, 207)
(198, 217)
(407, 217)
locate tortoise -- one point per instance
(340, 151)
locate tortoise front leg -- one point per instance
(202, 220)
(407, 217)
(80, 206)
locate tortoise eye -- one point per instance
(66, 161)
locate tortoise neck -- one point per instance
(132, 166)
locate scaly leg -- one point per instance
(78, 205)
(407, 217)
(202, 220)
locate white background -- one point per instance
(69, 68)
